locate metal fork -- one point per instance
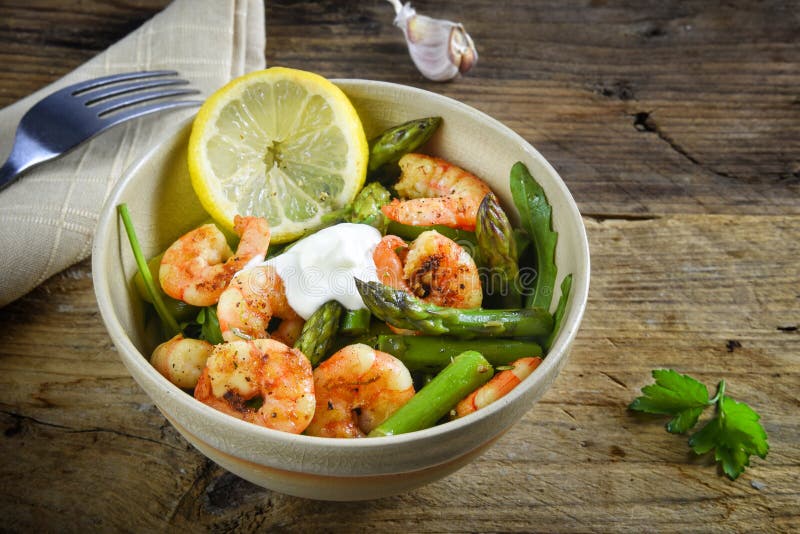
(68, 117)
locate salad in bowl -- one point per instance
(360, 293)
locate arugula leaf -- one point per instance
(167, 320)
(210, 330)
(535, 215)
(734, 433)
(561, 308)
(205, 326)
(673, 394)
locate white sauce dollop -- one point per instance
(324, 265)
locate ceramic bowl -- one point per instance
(158, 192)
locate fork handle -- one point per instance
(8, 173)
(25, 153)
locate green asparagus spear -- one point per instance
(433, 353)
(402, 310)
(467, 372)
(497, 249)
(166, 317)
(409, 232)
(394, 143)
(366, 208)
(464, 238)
(355, 322)
(561, 308)
(536, 216)
(319, 332)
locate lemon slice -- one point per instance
(280, 143)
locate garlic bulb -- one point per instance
(440, 49)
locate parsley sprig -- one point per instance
(734, 433)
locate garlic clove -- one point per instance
(462, 49)
(440, 49)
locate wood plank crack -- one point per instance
(643, 121)
(602, 217)
(70, 430)
(614, 379)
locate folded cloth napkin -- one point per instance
(48, 216)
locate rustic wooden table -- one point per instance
(676, 126)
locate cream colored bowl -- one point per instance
(163, 206)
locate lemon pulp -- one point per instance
(282, 144)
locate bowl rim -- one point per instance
(130, 354)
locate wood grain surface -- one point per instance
(676, 125)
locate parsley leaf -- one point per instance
(673, 394)
(734, 433)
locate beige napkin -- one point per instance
(48, 217)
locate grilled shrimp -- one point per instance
(499, 385)
(261, 381)
(199, 265)
(357, 389)
(433, 267)
(253, 298)
(438, 192)
(181, 360)
(389, 256)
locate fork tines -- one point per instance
(102, 95)
(70, 116)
